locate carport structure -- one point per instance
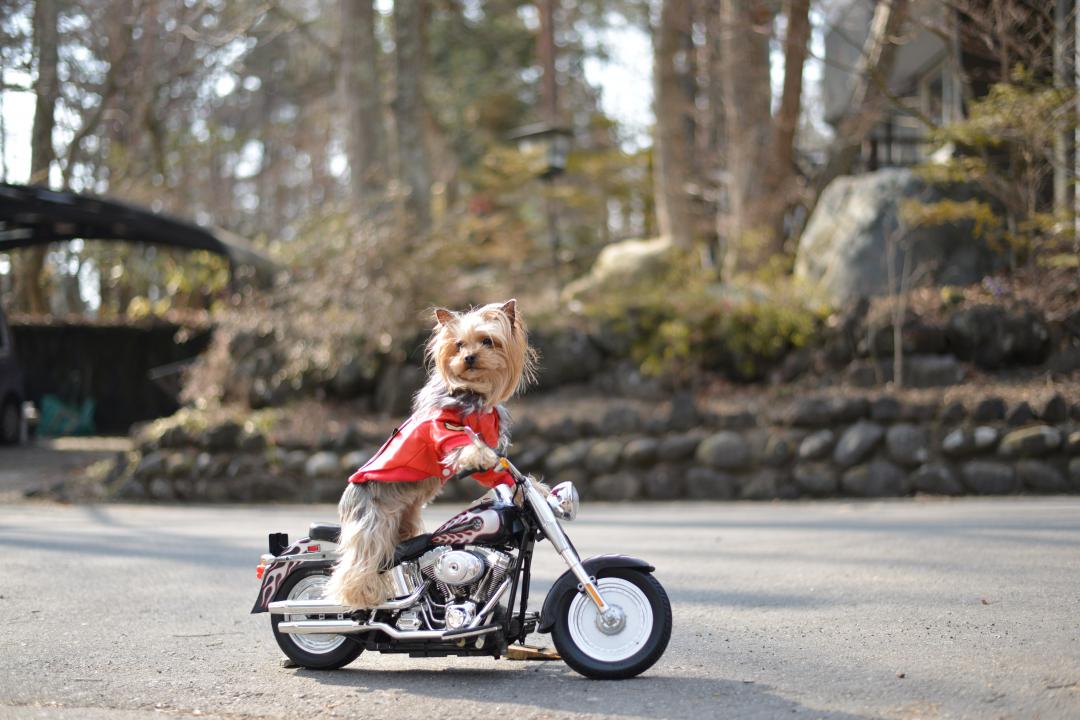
(129, 369)
(33, 215)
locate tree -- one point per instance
(673, 48)
(414, 173)
(42, 153)
(746, 30)
(362, 96)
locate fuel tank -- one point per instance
(486, 523)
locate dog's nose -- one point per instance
(470, 360)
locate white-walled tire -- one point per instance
(633, 648)
(316, 652)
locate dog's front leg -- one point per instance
(472, 457)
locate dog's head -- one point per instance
(485, 351)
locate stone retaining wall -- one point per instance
(813, 448)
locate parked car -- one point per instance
(11, 388)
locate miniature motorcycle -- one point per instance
(608, 616)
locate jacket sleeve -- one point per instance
(492, 478)
(447, 434)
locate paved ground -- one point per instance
(46, 462)
(902, 609)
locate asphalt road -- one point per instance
(906, 609)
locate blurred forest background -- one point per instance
(392, 156)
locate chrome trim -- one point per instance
(307, 607)
(319, 627)
(329, 607)
(564, 501)
(402, 603)
(348, 627)
(405, 579)
(490, 604)
(304, 557)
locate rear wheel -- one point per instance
(621, 649)
(317, 652)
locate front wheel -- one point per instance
(316, 652)
(629, 647)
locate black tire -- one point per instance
(10, 421)
(644, 658)
(333, 659)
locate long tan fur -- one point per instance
(376, 516)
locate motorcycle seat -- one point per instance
(329, 532)
(408, 550)
(412, 548)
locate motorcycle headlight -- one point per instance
(564, 501)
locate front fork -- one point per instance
(611, 616)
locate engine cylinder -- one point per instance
(459, 567)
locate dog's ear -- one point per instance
(509, 308)
(443, 316)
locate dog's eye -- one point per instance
(487, 341)
(460, 344)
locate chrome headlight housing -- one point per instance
(564, 501)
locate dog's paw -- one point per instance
(471, 457)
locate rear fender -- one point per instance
(568, 582)
(277, 571)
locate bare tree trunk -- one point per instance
(413, 171)
(781, 168)
(712, 132)
(42, 154)
(672, 164)
(868, 96)
(746, 26)
(1064, 78)
(362, 98)
(545, 52)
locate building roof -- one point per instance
(33, 215)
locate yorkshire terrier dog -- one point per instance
(477, 360)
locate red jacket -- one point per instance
(415, 450)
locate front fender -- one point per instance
(568, 582)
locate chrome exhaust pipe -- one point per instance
(329, 607)
(347, 627)
(319, 627)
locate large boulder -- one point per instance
(621, 266)
(843, 249)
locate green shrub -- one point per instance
(686, 326)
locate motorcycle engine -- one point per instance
(474, 574)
